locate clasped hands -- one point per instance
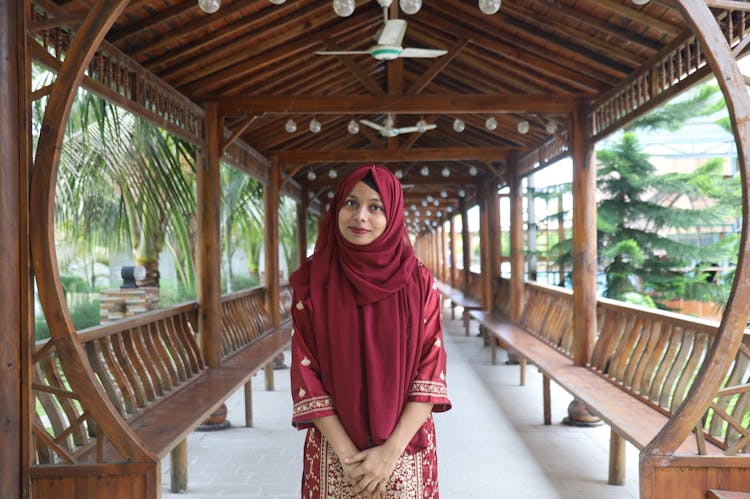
(370, 470)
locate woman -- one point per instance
(368, 362)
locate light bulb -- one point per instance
(311, 175)
(489, 7)
(449, 209)
(343, 8)
(458, 125)
(277, 2)
(399, 174)
(414, 207)
(310, 194)
(410, 6)
(439, 214)
(523, 127)
(421, 126)
(424, 171)
(473, 171)
(428, 213)
(429, 198)
(333, 173)
(290, 126)
(640, 2)
(446, 172)
(491, 123)
(330, 194)
(443, 194)
(461, 193)
(209, 6)
(436, 202)
(551, 127)
(424, 204)
(314, 125)
(353, 127)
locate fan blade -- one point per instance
(373, 125)
(342, 52)
(411, 129)
(424, 53)
(393, 33)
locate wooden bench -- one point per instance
(641, 369)
(153, 373)
(726, 494)
(458, 298)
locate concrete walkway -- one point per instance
(492, 444)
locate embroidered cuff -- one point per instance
(312, 405)
(428, 389)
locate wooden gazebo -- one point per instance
(514, 92)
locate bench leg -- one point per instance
(268, 371)
(546, 397)
(467, 318)
(522, 366)
(616, 459)
(493, 348)
(249, 403)
(453, 311)
(178, 473)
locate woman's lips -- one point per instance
(359, 230)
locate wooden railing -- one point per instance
(135, 362)
(653, 354)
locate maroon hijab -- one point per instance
(368, 315)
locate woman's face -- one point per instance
(362, 216)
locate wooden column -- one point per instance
(271, 199)
(209, 242)
(466, 241)
(516, 250)
(484, 247)
(493, 219)
(453, 246)
(444, 253)
(584, 239)
(302, 228)
(15, 344)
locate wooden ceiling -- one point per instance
(531, 61)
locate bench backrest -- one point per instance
(548, 313)
(136, 361)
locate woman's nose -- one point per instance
(361, 213)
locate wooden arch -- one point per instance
(44, 257)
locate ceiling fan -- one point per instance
(387, 129)
(388, 46)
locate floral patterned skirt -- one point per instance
(415, 475)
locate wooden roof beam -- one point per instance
(400, 104)
(291, 158)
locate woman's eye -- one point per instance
(376, 207)
(350, 202)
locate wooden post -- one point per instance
(271, 206)
(560, 236)
(516, 250)
(453, 247)
(616, 459)
(15, 345)
(249, 403)
(302, 228)
(584, 240)
(466, 241)
(493, 218)
(444, 253)
(209, 243)
(484, 247)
